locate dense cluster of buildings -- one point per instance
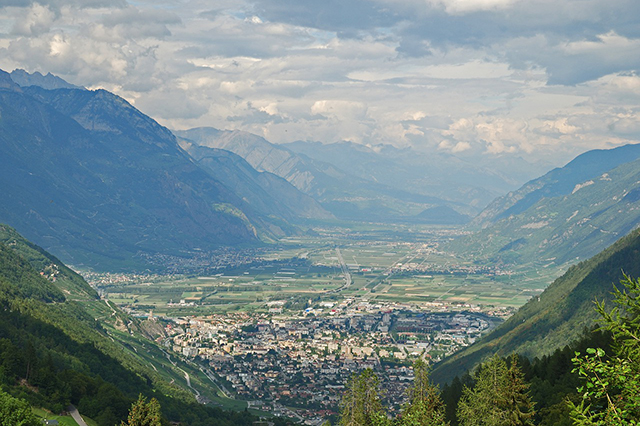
(303, 361)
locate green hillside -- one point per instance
(61, 345)
(559, 315)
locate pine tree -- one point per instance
(143, 413)
(425, 407)
(361, 404)
(499, 398)
(519, 405)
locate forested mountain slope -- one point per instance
(558, 182)
(559, 315)
(567, 215)
(91, 178)
(53, 352)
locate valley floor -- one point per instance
(283, 328)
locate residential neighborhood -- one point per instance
(297, 365)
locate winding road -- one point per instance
(76, 416)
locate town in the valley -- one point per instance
(297, 365)
(285, 335)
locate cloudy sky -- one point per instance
(542, 79)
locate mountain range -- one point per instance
(356, 182)
(567, 215)
(470, 184)
(345, 196)
(266, 192)
(88, 176)
(93, 179)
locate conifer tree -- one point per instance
(143, 413)
(425, 407)
(499, 398)
(361, 404)
(518, 402)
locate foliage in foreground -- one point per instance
(143, 413)
(424, 407)
(16, 412)
(361, 404)
(611, 388)
(499, 398)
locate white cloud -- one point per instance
(339, 109)
(33, 20)
(464, 6)
(542, 78)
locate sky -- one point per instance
(540, 79)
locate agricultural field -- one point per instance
(333, 265)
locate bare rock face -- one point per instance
(48, 81)
(6, 83)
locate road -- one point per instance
(76, 416)
(345, 271)
(213, 379)
(201, 399)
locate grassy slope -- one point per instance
(62, 420)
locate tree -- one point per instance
(499, 398)
(425, 407)
(519, 407)
(610, 393)
(16, 412)
(361, 404)
(144, 413)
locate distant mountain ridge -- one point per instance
(266, 192)
(48, 81)
(558, 182)
(569, 214)
(344, 194)
(437, 174)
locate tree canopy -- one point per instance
(424, 407)
(16, 412)
(499, 398)
(144, 413)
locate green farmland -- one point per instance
(336, 266)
